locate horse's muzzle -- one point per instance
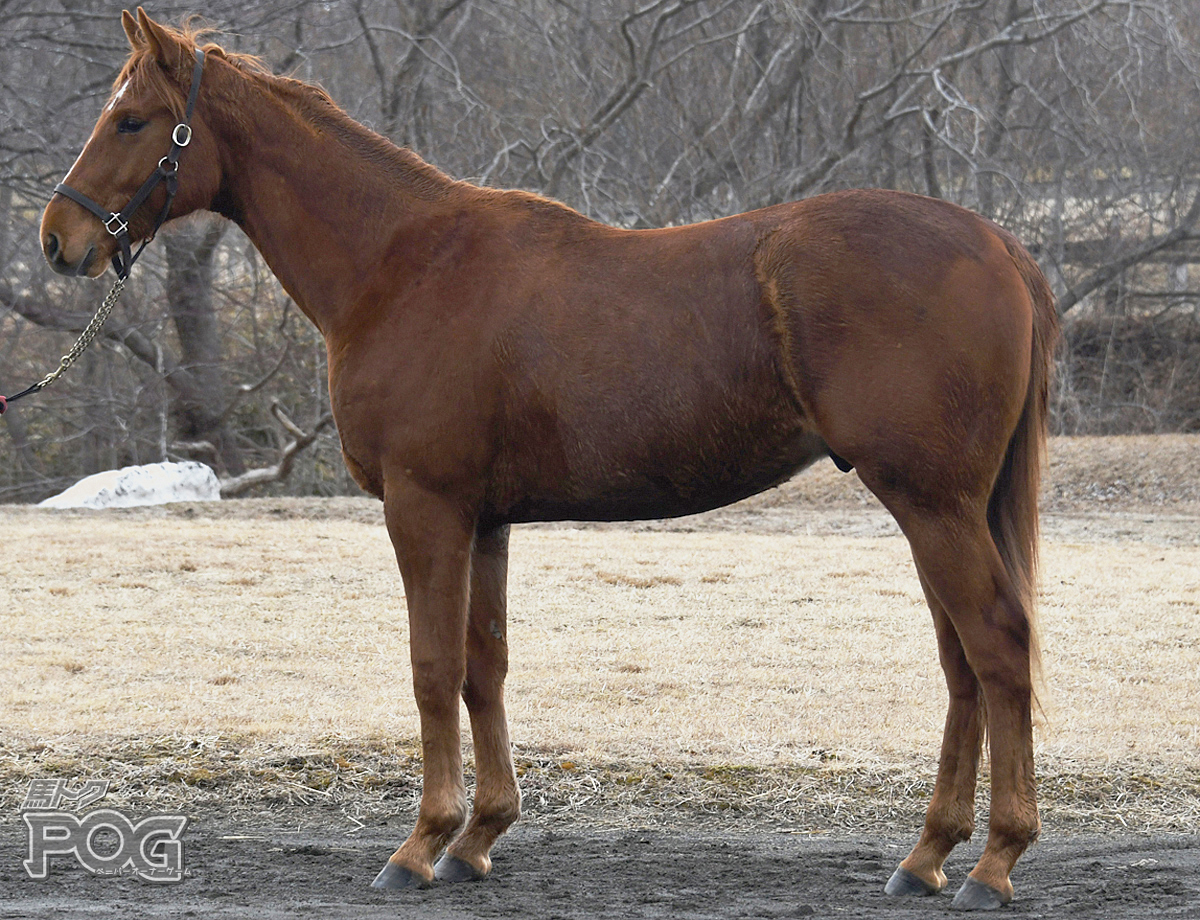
(52, 249)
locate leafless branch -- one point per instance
(277, 472)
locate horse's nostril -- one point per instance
(51, 245)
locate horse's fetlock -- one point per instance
(1016, 832)
(505, 814)
(445, 821)
(951, 828)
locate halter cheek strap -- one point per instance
(117, 223)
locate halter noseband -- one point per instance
(117, 223)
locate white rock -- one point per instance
(152, 484)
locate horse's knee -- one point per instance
(1006, 677)
(436, 685)
(483, 688)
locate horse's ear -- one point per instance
(166, 48)
(132, 32)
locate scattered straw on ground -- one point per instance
(360, 781)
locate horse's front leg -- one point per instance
(433, 538)
(497, 798)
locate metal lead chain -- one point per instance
(85, 337)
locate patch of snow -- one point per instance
(152, 484)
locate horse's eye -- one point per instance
(130, 125)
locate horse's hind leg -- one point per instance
(497, 798)
(956, 555)
(950, 818)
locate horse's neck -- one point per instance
(323, 200)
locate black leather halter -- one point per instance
(117, 223)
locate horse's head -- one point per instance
(134, 133)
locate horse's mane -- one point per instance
(309, 102)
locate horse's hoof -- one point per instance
(975, 895)
(907, 884)
(452, 869)
(396, 876)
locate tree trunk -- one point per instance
(199, 411)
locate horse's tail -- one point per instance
(1013, 506)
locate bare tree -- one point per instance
(1069, 121)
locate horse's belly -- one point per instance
(637, 479)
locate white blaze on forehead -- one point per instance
(108, 108)
(117, 96)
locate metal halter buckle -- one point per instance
(186, 137)
(121, 226)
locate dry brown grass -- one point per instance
(257, 651)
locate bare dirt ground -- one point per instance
(575, 872)
(145, 648)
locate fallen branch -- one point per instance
(239, 485)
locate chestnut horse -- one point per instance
(496, 357)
